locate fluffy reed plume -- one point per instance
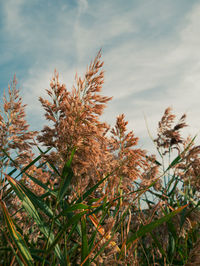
(15, 138)
(189, 168)
(151, 173)
(169, 132)
(75, 117)
(129, 161)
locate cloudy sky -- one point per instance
(150, 49)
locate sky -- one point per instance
(150, 50)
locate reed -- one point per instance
(81, 200)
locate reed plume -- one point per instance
(15, 138)
(76, 124)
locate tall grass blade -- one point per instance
(30, 208)
(74, 220)
(84, 247)
(149, 227)
(17, 237)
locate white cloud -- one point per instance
(82, 6)
(13, 18)
(171, 66)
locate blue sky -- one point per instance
(150, 49)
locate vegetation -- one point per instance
(91, 196)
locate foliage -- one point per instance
(93, 197)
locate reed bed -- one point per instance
(90, 196)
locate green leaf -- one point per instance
(38, 182)
(64, 184)
(8, 156)
(159, 245)
(17, 237)
(173, 189)
(30, 208)
(84, 247)
(52, 166)
(75, 207)
(149, 227)
(89, 191)
(42, 185)
(66, 177)
(39, 203)
(30, 164)
(26, 167)
(174, 162)
(178, 159)
(123, 217)
(74, 220)
(172, 229)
